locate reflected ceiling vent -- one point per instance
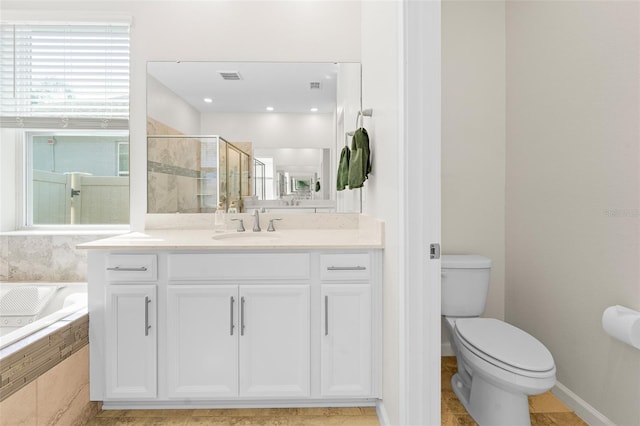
(230, 75)
(315, 85)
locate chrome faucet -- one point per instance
(256, 221)
(240, 227)
(272, 228)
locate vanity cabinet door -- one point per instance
(131, 341)
(274, 341)
(346, 368)
(202, 341)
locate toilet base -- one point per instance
(490, 405)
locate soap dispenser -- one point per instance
(219, 221)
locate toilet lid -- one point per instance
(505, 343)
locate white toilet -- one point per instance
(499, 365)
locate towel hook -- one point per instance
(360, 117)
(347, 135)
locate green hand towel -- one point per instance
(359, 166)
(343, 169)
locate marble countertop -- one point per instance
(324, 231)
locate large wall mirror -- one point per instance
(289, 119)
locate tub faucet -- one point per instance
(256, 221)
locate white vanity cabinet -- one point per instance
(212, 328)
(346, 355)
(229, 341)
(238, 325)
(274, 341)
(202, 343)
(131, 335)
(131, 341)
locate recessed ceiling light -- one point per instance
(270, 108)
(208, 100)
(314, 109)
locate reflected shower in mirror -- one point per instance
(285, 116)
(195, 174)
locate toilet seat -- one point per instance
(505, 346)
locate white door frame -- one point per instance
(420, 125)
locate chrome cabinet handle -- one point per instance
(128, 269)
(242, 316)
(146, 315)
(326, 315)
(346, 268)
(231, 326)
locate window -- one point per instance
(64, 76)
(75, 178)
(65, 97)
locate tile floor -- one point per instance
(546, 410)
(365, 416)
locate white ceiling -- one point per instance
(284, 86)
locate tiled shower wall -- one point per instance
(173, 169)
(52, 258)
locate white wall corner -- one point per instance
(383, 416)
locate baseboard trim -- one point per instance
(445, 349)
(383, 417)
(579, 406)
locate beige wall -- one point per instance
(573, 189)
(473, 136)
(565, 233)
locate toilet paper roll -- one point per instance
(623, 324)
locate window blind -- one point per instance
(64, 76)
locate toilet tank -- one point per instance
(465, 284)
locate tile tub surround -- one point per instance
(26, 360)
(29, 256)
(295, 231)
(58, 397)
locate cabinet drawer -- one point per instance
(132, 267)
(346, 266)
(237, 267)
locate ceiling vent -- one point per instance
(230, 75)
(315, 85)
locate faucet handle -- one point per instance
(271, 228)
(240, 225)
